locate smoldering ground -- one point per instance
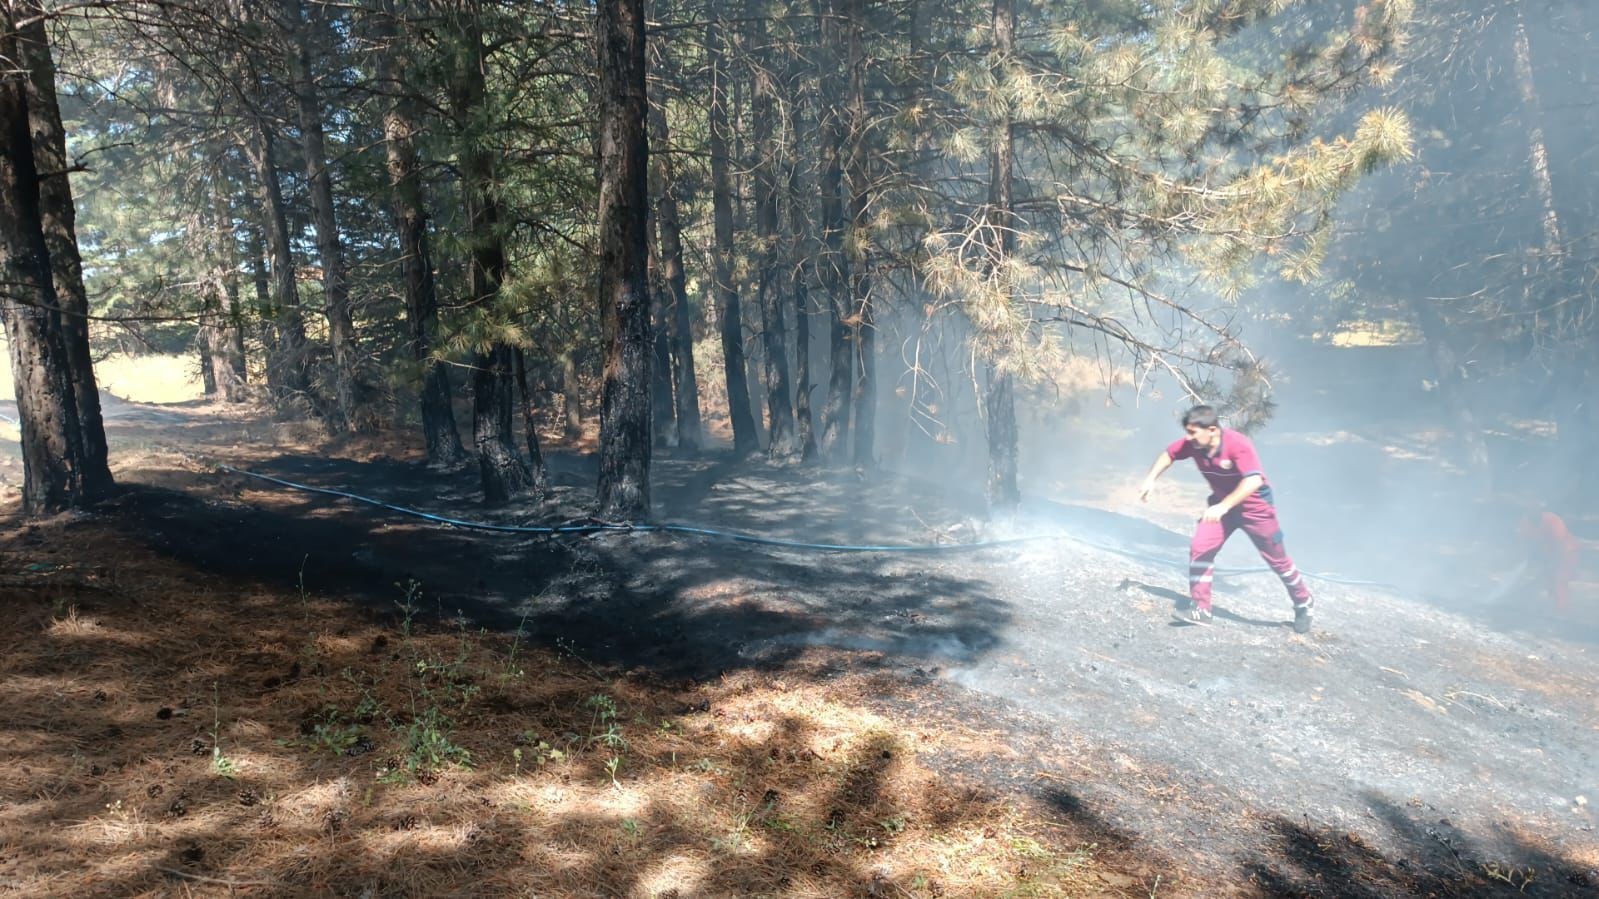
(1400, 725)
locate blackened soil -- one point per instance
(1402, 749)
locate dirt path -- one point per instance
(1401, 747)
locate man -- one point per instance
(1239, 498)
(1554, 554)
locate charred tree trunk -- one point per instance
(287, 375)
(801, 252)
(685, 382)
(400, 128)
(348, 392)
(530, 424)
(225, 375)
(503, 474)
(833, 266)
(1452, 390)
(47, 412)
(624, 488)
(663, 411)
(1004, 494)
(728, 310)
(571, 398)
(58, 215)
(502, 471)
(864, 331)
(261, 282)
(781, 442)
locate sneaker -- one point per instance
(1194, 615)
(1302, 618)
(1184, 605)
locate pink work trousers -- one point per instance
(1259, 521)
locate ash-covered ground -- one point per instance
(1406, 745)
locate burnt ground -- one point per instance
(1404, 747)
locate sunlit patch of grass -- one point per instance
(150, 379)
(155, 378)
(72, 625)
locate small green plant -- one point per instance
(512, 669)
(221, 765)
(538, 752)
(412, 589)
(429, 746)
(603, 727)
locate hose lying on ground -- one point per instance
(644, 528)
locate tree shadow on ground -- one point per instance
(127, 684)
(682, 607)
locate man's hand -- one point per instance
(1214, 513)
(1145, 489)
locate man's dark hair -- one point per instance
(1201, 417)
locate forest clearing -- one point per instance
(709, 448)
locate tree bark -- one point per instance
(52, 438)
(287, 372)
(1004, 494)
(530, 424)
(502, 471)
(864, 330)
(261, 282)
(59, 219)
(1473, 448)
(801, 252)
(728, 311)
(348, 392)
(663, 411)
(571, 398)
(624, 483)
(833, 266)
(685, 382)
(400, 127)
(222, 355)
(782, 443)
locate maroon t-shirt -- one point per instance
(1234, 460)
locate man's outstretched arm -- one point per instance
(1162, 462)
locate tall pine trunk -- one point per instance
(864, 399)
(801, 252)
(728, 311)
(571, 398)
(503, 474)
(685, 382)
(663, 411)
(400, 127)
(261, 284)
(287, 372)
(225, 374)
(530, 426)
(58, 216)
(52, 437)
(833, 266)
(1004, 494)
(348, 392)
(1472, 446)
(782, 443)
(624, 484)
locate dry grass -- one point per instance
(167, 733)
(155, 378)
